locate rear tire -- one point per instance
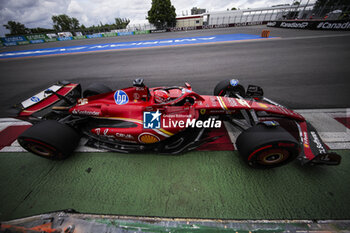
(224, 88)
(96, 89)
(264, 146)
(50, 139)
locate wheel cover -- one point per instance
(273, 156)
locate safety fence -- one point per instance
(63, 36)
(294, 16)
(339, 25)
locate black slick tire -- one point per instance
(50, 139)
(263, 146)
(224, 88)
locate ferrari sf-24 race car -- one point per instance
(168, 120)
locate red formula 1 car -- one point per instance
(168, 120)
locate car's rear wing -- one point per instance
(62, 93)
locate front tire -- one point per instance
(50, 139)
(229, 88)
(263, 146)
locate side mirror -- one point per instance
(188, 86)
(138, 82)
(255, 92)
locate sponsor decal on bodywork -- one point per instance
(318, 143)
(121, 97)
(83, 101)
(306, 140)
(40, 96)
(85, 112)
(263, 105)
(148, 138)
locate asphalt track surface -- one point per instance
(303, 69)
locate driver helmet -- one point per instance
(161, 96)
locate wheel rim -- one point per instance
(40, 150)
(273, 156)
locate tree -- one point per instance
(197, 11)
(233, 9)
(16, 28)
(39, 30)
(322, 7)
(121, 23)
(64, 23)
(296, 3)
(162, 14)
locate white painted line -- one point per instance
(312, 37)
(325, 110)
(338, 145)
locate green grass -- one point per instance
(196, 185)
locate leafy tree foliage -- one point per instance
(64, 23)
(197, 11)
(41, 30)
(16, 28)
(162, 14)
(121, 23)
(322, 7)
(233, 9)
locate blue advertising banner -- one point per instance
(64, 38)
(125, 33)
(94, 36)
(10, 43)
(37, 41)
(13, 39)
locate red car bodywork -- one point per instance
(140, 100)
(130, 105)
